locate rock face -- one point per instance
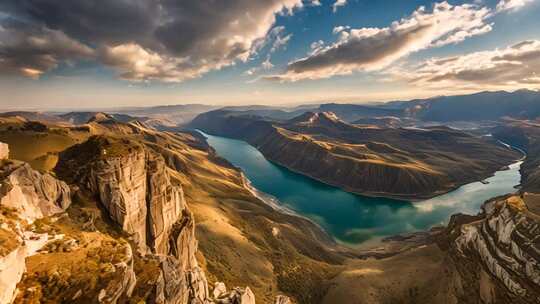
(497, 254)
(4, 151)
(124, 281)
(32, 194)
(80, 256)
(121, 185)
(12, 266)
(25, 195)
(134, 186)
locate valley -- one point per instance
(399, 163)
(269, 152)
(167, 216)
(355, 220)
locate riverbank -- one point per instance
(353, 220)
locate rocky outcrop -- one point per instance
(25, 195)
(120, 183)
(12, 266)
(235, 296)
(497, 253)
(165, 204)
(124, 280)
(32, 194)
(134, 186)
(4, 151)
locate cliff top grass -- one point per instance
(96, 148)
(37, 144)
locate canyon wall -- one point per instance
(496, 255)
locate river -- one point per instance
(356, 220)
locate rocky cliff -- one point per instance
(25, 196)
(134, 187)
(496, 255)
(122, 233)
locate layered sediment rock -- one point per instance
(497, 253)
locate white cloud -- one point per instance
(369, 49)
(339, 29)
(514, 66)
(338, 4)
(511, 5)
(265, 65)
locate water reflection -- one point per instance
(355, 219)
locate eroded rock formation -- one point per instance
(497, 253)
(127, 236)
(25, 196)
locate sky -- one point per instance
(92, 53)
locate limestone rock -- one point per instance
(32, 194)
(165, 203)
(12, 266)
(219, 290)
(497, 253)
(283, 300)
(237, 295)
(134, 185)
(123, 283)
(4, 151)
(120, 183)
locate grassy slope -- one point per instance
(236, 231)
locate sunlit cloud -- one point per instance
(517, 65)
(172, 40)
(512, 5)
(338, 4)
(371, 49)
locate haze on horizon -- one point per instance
(152, 52)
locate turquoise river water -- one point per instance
(354, 219)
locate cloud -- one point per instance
(339, 29)
(514, 66)
(191, 37)
(32, 51)
(369, 49)
(265, 65)
(511, 5)
(338, 4)
(277, 38)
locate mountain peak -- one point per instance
(316, 118)
(100, 117)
